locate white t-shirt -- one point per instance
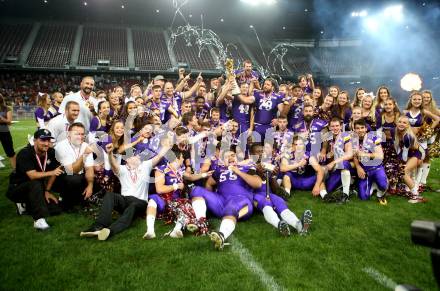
(84, 113)
(67, 153)
(135, 183)
(59, 126)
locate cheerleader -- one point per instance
(358, 96)
(324, 111)
(115, 106)
(356, 114)
(317, 97)
(101, 122)
(429, 105)
(410, 154)
(334, 92)
(383, 93)
(418, 118)
(306, 83)
(369, 112)
(42, 113)
(342, 108)
(389, 117)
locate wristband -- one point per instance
(175, 186)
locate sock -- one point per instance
(291, 219)
(419, 173)
(279, 181)
(322, 193)
(373, 187)
(379, 193)
(287, 189)
(199, 207)
(227, 227)
(426, 168)
(270, 216)
(415, 191)
(345, 178)
(178, 226)
(151, 218)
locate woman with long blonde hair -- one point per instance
(369, 112)
(42, 113)
(410, 154)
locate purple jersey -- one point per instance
(42, 115)
(240, 112)
(230, 184)
(295, 112)
(415, 120)
(95, 125)
(266, 107)
(312, 132)
(368, 145)
(172, 176)
(203, 113)
(283, 139)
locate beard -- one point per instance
(87, 90)
(308, 118)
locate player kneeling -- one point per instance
(233, 199)
(368, 161)
(272, 205)
(302, 171)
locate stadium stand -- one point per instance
(53, 46)
(101, 43)
(13, 37)
(150, 50)
(190, 55)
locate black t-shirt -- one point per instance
(27, 161)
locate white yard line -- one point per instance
(380, 278)
(253, 266)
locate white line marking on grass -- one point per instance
(249, 262)
(380, 278)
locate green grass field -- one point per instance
(344, 243)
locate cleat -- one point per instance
(383, 201)
(344, 199)
(218, 240)
(192, 227)
(283, 228)
(329, 198)
(283, 193)
(176, 234)
(353, 193)
(149, 235)
(103, 234)
(306, 221)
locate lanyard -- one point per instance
(133, 175)
(42, 167)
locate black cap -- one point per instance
(43, 134)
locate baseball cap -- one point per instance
(158, 77)
(43, 134)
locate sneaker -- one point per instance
(149, 235)
(382, 201)
(91, 232)
(176, 234)
(21, 208)
(218, 239)
(103, 234)
(41, 224)
(283, 228)
(306, 221)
